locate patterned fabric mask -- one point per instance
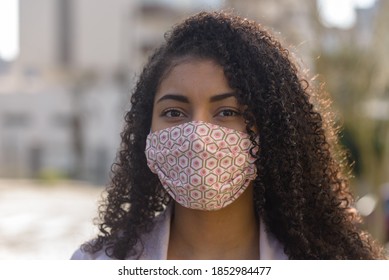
(201, 165)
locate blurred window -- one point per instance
(16, 120)
(62, 121)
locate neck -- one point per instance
(229, 233)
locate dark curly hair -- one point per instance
(301, 192)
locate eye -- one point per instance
(228, 113)
(172, 113)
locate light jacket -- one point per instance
(156, 243)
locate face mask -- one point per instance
(201, 165)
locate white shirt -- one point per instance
(157, 241)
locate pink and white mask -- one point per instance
(201, 165)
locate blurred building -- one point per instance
(75, 35)
(61, 105)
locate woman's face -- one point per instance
(196, 90)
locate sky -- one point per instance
(9, 26)
(341, 13)
(335, 13)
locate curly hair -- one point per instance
(301, 191)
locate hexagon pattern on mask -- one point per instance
(201, 165)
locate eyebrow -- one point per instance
(222, 96)
(184, 99)
(176, 97)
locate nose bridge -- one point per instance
(201, 113)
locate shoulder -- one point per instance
(152, 245)
(81, 254)
(269, 247)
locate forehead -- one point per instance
(191, 75)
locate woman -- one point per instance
(225, 156)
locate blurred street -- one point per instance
(42, 221)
